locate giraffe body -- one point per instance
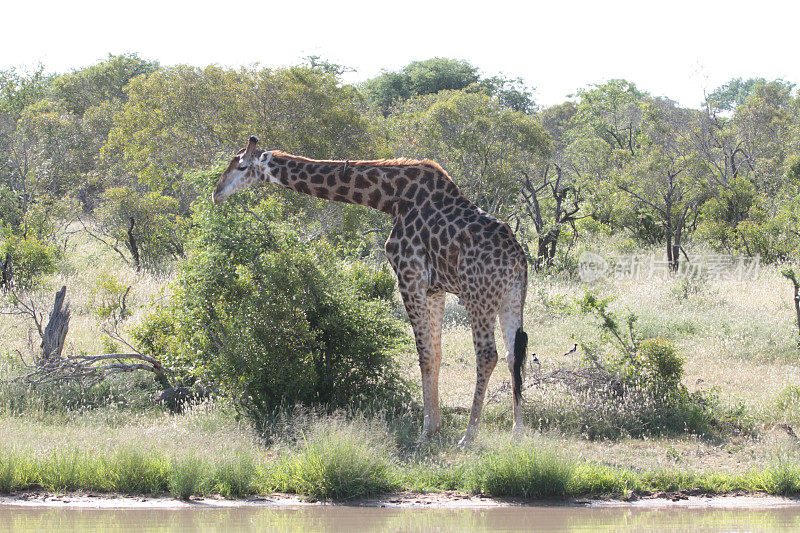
(440, 242)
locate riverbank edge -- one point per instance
(434, 500)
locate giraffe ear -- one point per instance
(251, 146)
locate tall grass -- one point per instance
(136, 472)
(234, 476)
(520, 470)
(341, 460)
(338, 461)
(8, 468)
(187, 477)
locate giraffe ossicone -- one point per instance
(440, 242)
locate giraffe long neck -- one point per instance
(339, 181)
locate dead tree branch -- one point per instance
(89, 370)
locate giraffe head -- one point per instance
(246, 168)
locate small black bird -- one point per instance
(533, 359)
(573, 350)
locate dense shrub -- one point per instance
(31, 259)
(269, 319)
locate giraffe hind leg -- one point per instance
(516, 342)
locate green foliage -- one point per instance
(789, 399)
(158, 225)
(18, 90)
(31, 259)
(419, 78)
(793, 168)
(637, 389)
(511, 93)
(609, 322)
(100, 83)
(182, 118)
(729, 95)
(274, 320)
(480, 143)
(371, 282)
(662, 368)
(107, 295)
(11, 213)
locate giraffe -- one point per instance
(440, 242)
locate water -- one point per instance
(351, 519)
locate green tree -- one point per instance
(666, 177)
(600, 137)
(483, 145)
(750, 155)
(419, 78)
(512, 93)
(183, 118)
(552, 190)
(730, 95)
(101, 83)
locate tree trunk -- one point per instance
(56, 330)
(793, 278)
(546, 250)
(5, 273)
(669, 248)
(132, 246)
(797, 310)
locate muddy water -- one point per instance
(351, 519)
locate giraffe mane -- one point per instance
(396, 162)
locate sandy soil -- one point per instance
(447, 500)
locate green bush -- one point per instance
(107, 295)
(662, 368)
(11, 213)
(31, 259)
(632, 387)
(271, 320)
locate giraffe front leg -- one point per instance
(486, 359)
(416, 303)
(436, 311)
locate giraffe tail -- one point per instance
(520, 352)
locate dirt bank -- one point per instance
(447, 500)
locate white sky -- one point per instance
(673, 48)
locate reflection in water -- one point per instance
(340, 518)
